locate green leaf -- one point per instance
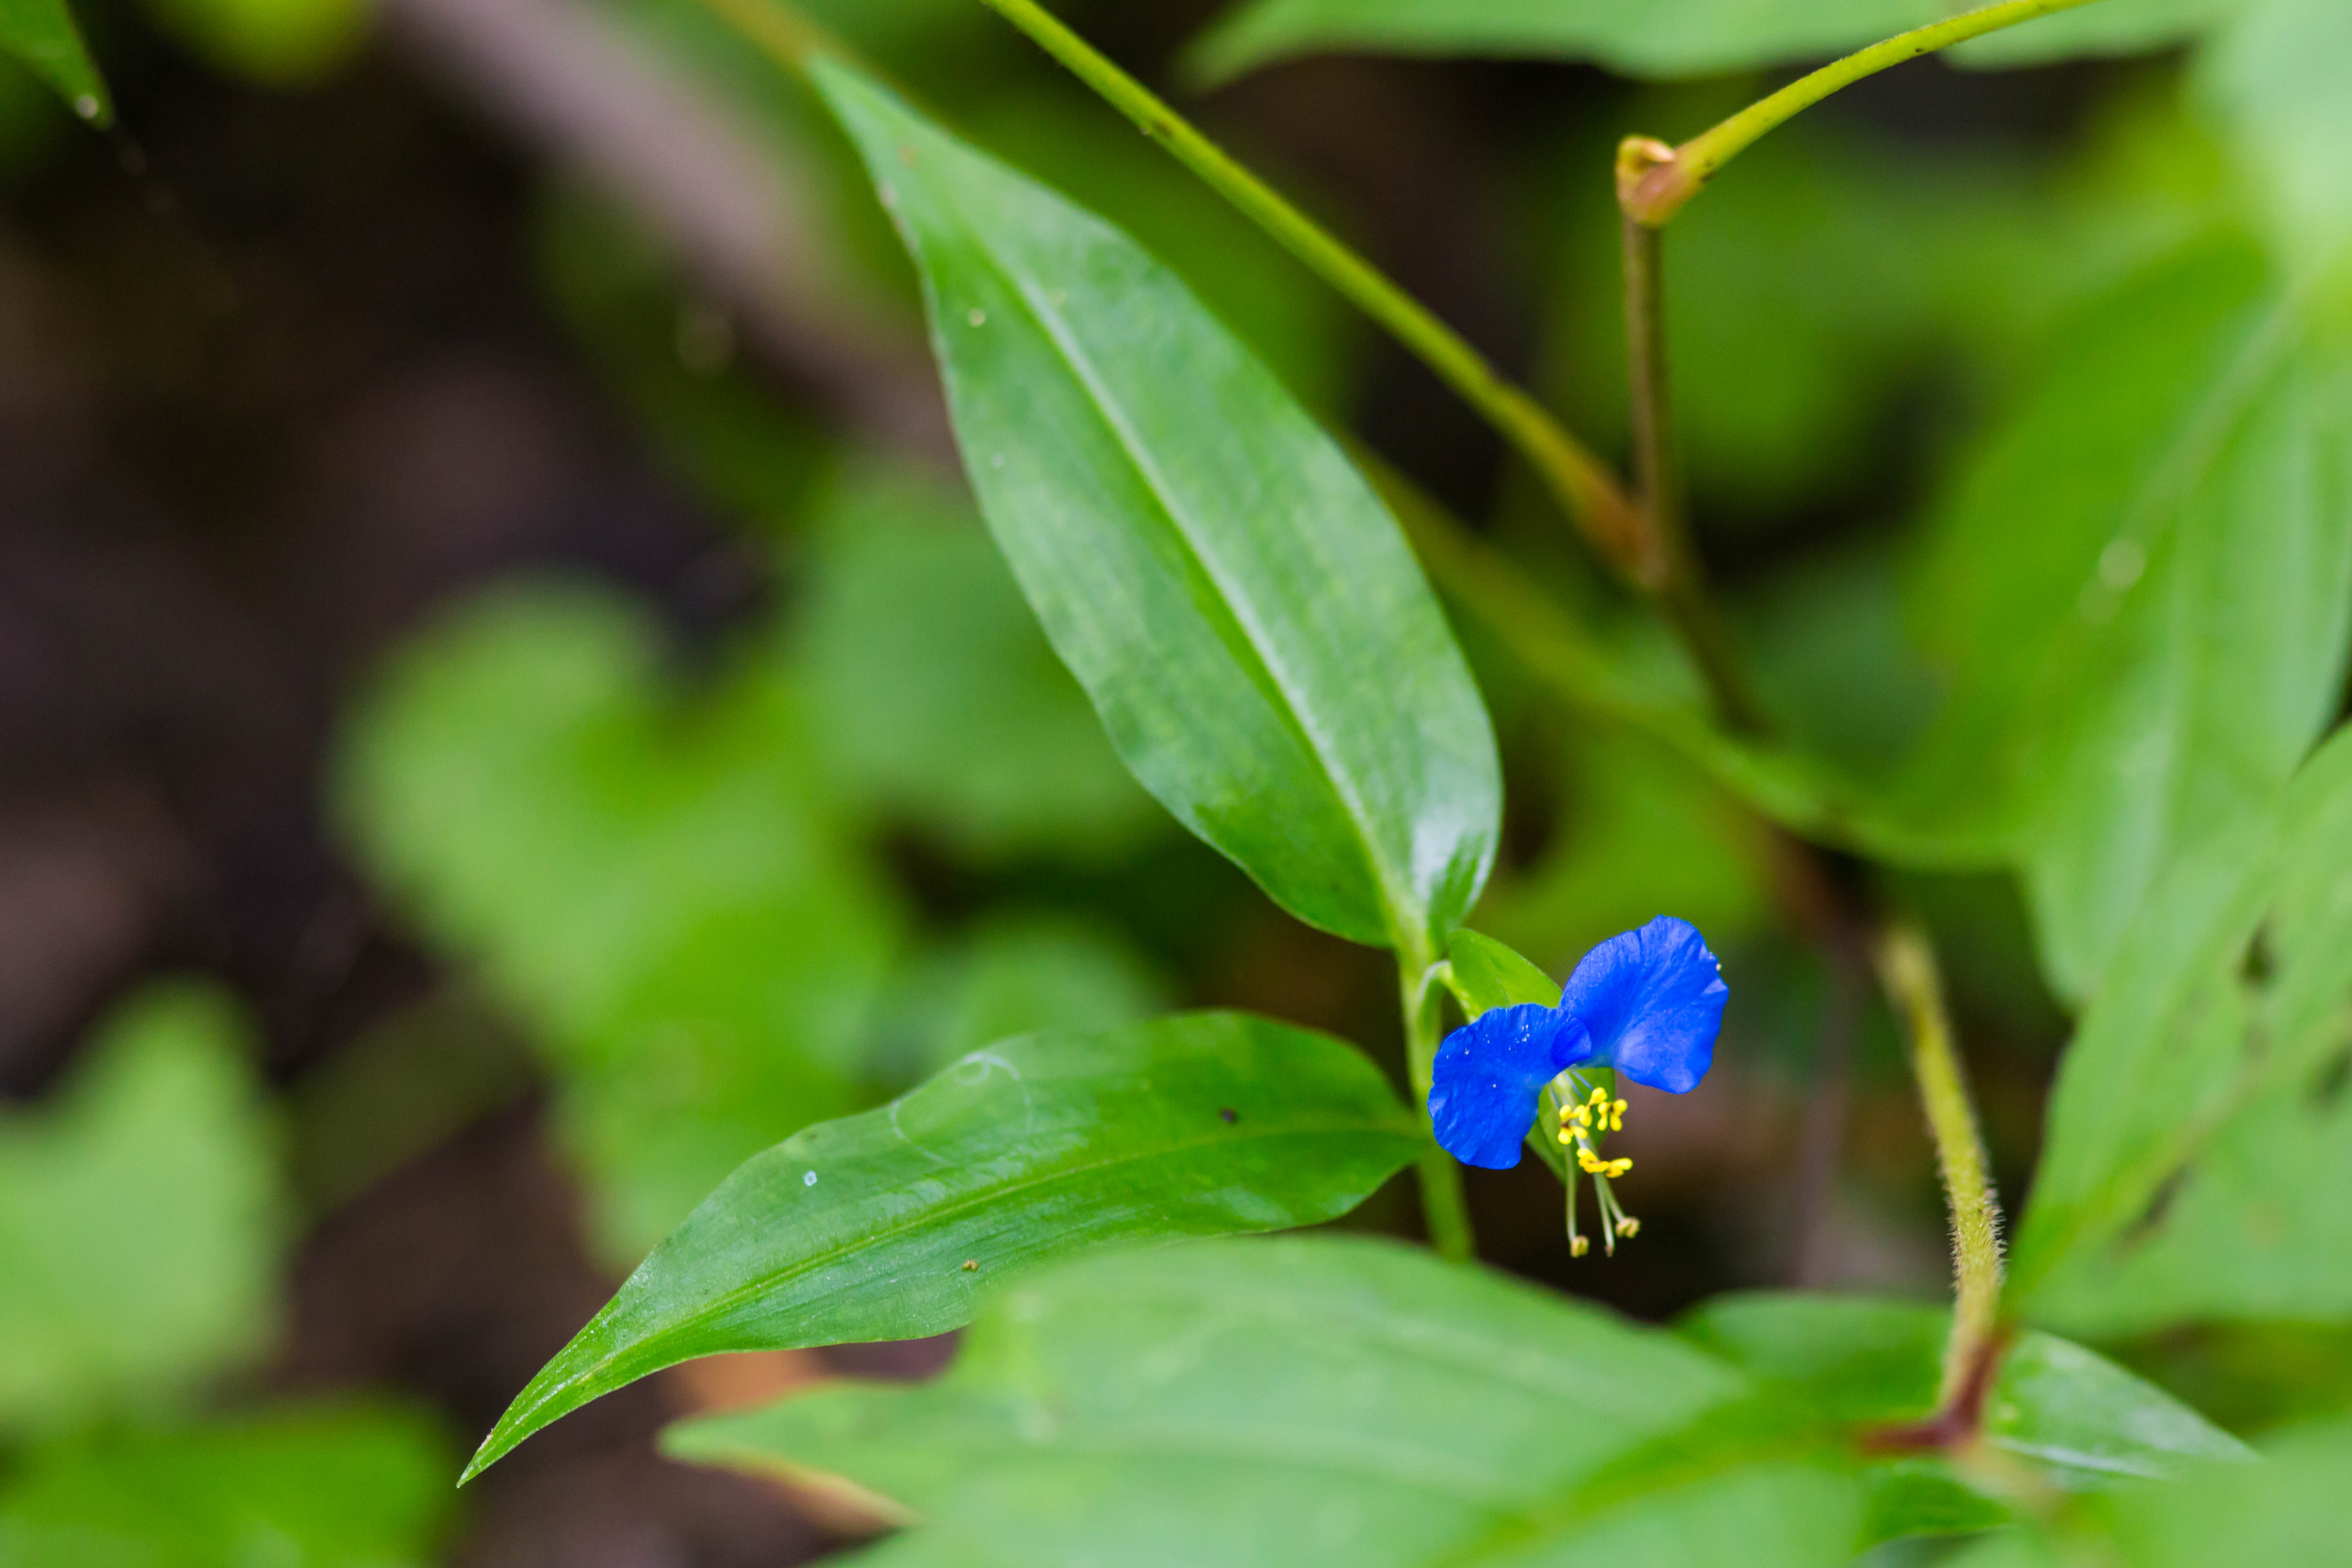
(2274, 77)
(655, 881)
(939, 700)
(1484, 975)
(1016, 975)
(2078, 1418)
(2141, 589)
(138, 1218)
(1305, 1400)
(327, 1488)
(894, 1224)
(2199, 1141)
(42, 33)
(1662, 39)
(1252, 629)
(2287, 1509)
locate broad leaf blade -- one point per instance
(1243, 612)
(2198, 1139)
(42, 33)
(1030, 1151)
(1484, 975)
(1299, 1401)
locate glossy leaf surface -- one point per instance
(1257, 637)
(894, 1224)
(139, 1220)
(42, 33)
(2197, 1145)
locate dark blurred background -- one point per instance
(483, 601)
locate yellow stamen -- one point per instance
(1577, 1247)
(1592, 1164)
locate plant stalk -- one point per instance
(1444, 1210)
(1669, 562)
(1675, 180)
(1906, 968)
(1582, 484)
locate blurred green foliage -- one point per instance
(140, 1219)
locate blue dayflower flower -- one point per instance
(1648, 1003)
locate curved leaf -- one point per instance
(893, 1224)
(1245, 616)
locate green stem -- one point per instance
(1671, 562)
(1906, 967)
(1442, 1207)
(1674, 181)
(1583, 484)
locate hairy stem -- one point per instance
(1674, 181)
(1442, 1207)
(1906, 968)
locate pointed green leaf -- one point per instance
(892, 1224)
(42, 33)
(1310, 1400)
(1245, 616)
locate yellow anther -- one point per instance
(1629, 1227)
(1616, 1116)
(1577, 1247)
(1592, 1164)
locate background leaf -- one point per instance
(42, 33)
(1258, 639)
(655, 880)
(353, 1488)
(2197, 1137)
(1029, 1151)
(938, 699)
(2274, 77)
(139, 1220)
(2141, 591)
(1664, 38)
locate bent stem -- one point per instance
(1677, 178)
(1906, 968)
(1442, 1207)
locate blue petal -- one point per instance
(1652, 1000)
(1482, 1097)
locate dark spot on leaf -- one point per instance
(2335, 1075)
(1228, 1116)
(2159, 1206)
(2259, 963)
